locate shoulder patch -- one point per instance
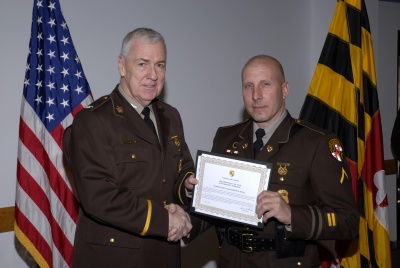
(336, 149)
(97, 103)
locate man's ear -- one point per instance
(121, 66)
(285, 90)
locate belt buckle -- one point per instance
(247, 237)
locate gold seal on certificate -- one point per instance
(228, 187)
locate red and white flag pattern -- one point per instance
(55, 89)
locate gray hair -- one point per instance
(146, 34)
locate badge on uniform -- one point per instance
(231, 151)
(178, 146)
(176, 142)
(282, 170)
(119, 109)
(285, 195)
(336, 149)
(180, 166)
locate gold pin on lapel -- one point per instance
(234, 146)
(119, 109)
(270, 148)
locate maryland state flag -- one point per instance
(343, 98)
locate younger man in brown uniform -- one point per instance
(126, 173)
(309, 196)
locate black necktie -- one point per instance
(258, 144)
(148, 121)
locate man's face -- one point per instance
(143, 71)
(264, 92)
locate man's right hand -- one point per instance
(179, 223)
(190, 182)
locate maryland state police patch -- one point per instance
(336, 149)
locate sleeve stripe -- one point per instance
(320, 222)
(316, 223)
(312, 223)
(180, 186)
(331, 219)
(148, 219)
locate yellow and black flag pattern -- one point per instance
(343, 98)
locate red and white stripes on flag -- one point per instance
(343, 98)
(55, 89)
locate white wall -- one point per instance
(208, 42)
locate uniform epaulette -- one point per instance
(237, 124)
(97, 103)
(312, 126)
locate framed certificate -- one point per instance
(228, 187)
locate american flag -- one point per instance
(54, 90)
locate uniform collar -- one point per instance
(135, 104)
(279, 137)
(123, 108)
(271, 128)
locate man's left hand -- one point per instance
(271, 205)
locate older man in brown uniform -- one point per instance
(127, 172)
(309, 196)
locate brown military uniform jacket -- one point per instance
(123, 176)
(310, 178)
